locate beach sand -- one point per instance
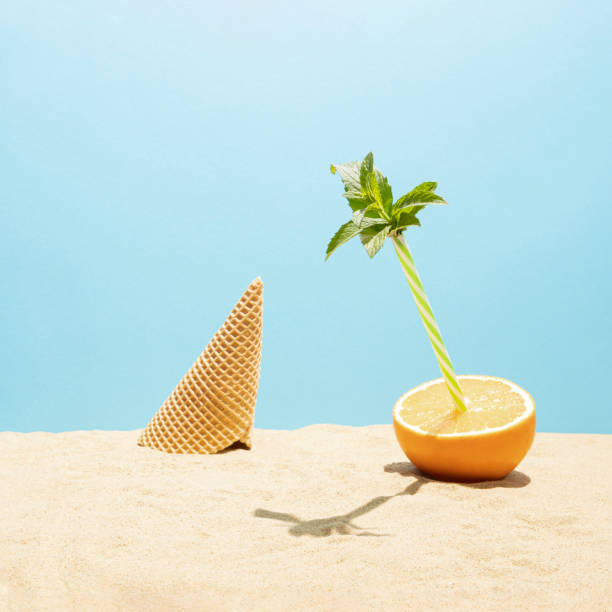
(322, 518)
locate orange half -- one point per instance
(485, 443)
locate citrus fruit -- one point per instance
(484, 443)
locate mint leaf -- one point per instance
(356, 200)
(406, 218)
(356, 178)
(374, 189)
(367, 167)
(349, 173)
(427, 186)
(385, 191)
(344, 234)
(374, 237)
(418, 196)
(358, 216)
(364, 184)
(367, 216)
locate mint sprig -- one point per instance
(375, 215)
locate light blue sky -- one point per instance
(157, 156)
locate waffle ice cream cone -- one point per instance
(214, 404)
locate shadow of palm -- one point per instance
(341, 524)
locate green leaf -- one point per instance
(386, 193)
(409, 210)
(356, 179)
(344, 234)
(427, 186)
(374, 189)
(364, 184)
(406, 218)
(358, 216)
(418, 196)
(367, 167)
(349, 173)
(374, 237)
(367, 216)
(356, 200)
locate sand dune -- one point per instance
(321, 518)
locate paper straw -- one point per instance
(427, 316)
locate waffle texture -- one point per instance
(214, 404)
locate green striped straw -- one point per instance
(427, 316)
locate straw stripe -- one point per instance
(429, 321)
(427, 315)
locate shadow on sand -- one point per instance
(233, 447)
(513, 480)
(342, 524)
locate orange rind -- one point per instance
(485, 443)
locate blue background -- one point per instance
(156, 156)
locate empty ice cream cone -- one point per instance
(214, 404)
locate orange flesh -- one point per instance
(492, 404)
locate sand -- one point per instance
(321, 518)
